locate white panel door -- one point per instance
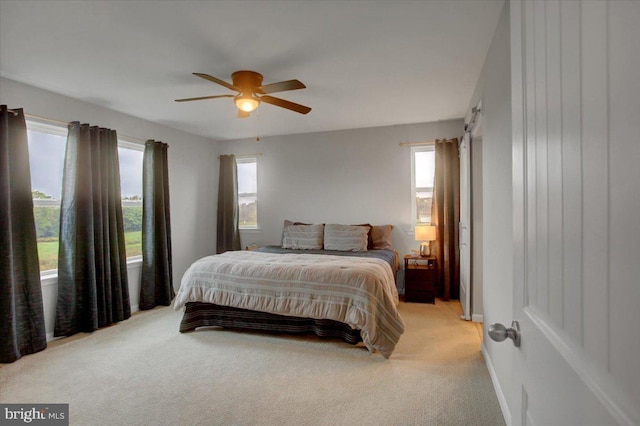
(465, 228)
(576, 195)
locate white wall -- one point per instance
(348, 176)
(494, 90)
(193, 176)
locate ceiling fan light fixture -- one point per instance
(247, 85)
(246, 103)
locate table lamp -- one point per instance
(425, 234)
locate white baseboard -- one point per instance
(477, 318)
(50, 337)
(496, 386)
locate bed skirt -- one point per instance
(198, 314)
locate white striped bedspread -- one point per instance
(360, 292)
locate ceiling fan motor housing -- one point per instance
(247, 80)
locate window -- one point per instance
(248, 192)
(47, 145)
(46, 161)
(130, 156)
(423, 164)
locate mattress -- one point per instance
(357, 291)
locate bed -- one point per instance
(333, 293)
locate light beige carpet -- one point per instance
(144, 372)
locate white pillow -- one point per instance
(304, 237)
(346, 237)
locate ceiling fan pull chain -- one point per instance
(258, 127)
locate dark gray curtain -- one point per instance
(446, 217)
(228, 236)
(157, 276)
(92, 266)
(22, 330)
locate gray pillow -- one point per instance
(346, 237)
(303, 237)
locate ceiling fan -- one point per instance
(251, 92)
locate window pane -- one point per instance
(423, 207)
(248, 211)
(130, 173)
(46, 158)
(247, 177)
(424, 172)
(425, 168)
(247, 192)
(131, 190)
(46, 161)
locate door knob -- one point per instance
(499, 332)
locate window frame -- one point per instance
(36, 125)
(414, 189)
(244, 160)
(127, 143)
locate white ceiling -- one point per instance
(365, 64)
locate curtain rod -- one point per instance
(258, 154)
(65, 123)
(427, 142)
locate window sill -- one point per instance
(51, 277)
(135, 261)
(48, 278)
(251, 230)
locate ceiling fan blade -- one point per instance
(216, 80)
(285, 104)
(243, 114)
(282, 86)
(204, 97)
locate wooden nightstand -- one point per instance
(420, 279)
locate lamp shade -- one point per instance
(246, 103)
(425, 233)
